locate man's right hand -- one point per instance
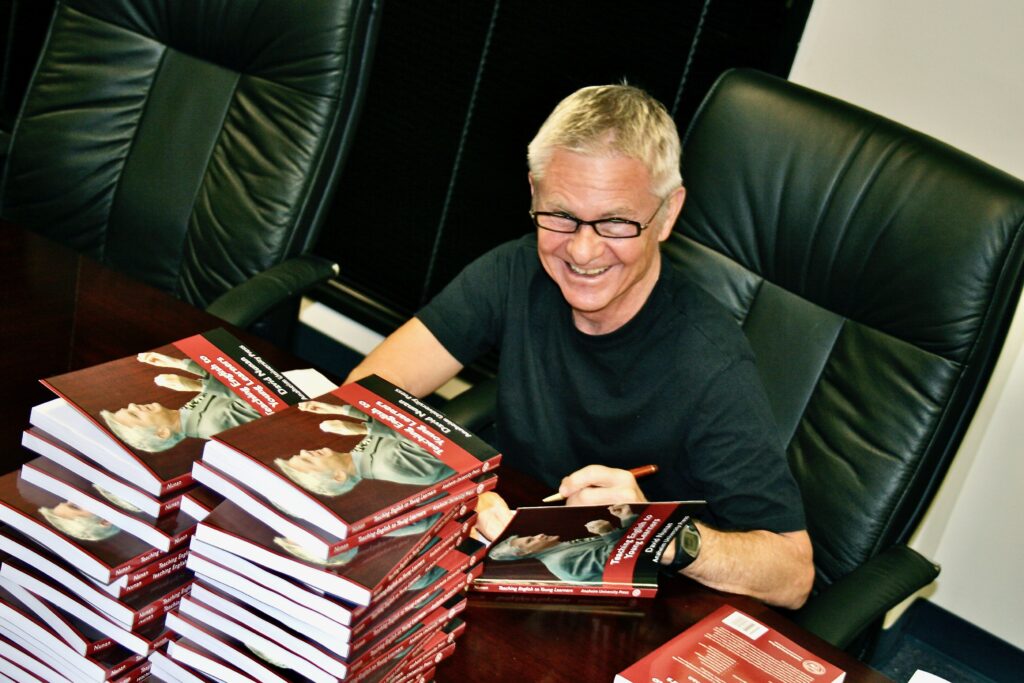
(600, 485)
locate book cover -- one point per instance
(94, 545)
(585, 550)
(146, 417)
(165, 533)
(318, 543)
(106, 483)
(353, 458)
(730, 645)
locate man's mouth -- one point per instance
(590, 272)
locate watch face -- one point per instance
(691, 540)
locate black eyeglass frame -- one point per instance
(640, 227)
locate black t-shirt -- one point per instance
(675, 386)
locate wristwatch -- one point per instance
(687, 546)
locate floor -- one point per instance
(929, 638)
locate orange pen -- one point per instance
(637, 472)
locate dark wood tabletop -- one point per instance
(62, 311)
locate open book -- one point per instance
(600, 550)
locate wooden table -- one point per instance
(63, 312)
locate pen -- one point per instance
(637, 472)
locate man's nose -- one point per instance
(585, 245)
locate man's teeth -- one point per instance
(587, 271)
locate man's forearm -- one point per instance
(775, 568)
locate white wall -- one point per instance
(954, 70)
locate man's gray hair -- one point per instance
(612, 120)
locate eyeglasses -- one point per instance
(614, 228)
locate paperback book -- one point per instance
(352, 459)
(131, 611)
(731, 645)
(165, 533)
(357, 576)
(104, 482)
(146, 417)
(94, 545)
(318, 543)
(611, 551)
(21, 627)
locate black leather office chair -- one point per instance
(875, 272)
(193, 145)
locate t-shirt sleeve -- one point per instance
(467, 316)
(741, 463)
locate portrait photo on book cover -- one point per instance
(347, 460)
(161, 404)
(559, 546)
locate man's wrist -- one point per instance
(687, 542)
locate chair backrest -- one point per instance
(189, 144)
(875, 271)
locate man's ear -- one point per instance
(673, 205)
(529, 177)
(162, 432)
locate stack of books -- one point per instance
(341, 550)
(166, 531)
(96, 531)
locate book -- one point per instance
(407, 662)
(249, 652)
(456, 570)
(109, 485)
(170, 671)
(38, 556)
(271, 591)
(90, 543)
(129, 613)
(205, 664)
(731, 645)
(317, 542)
(281, 631)
(241, 645)
(353, 458)
(146, 417)
(356, 576)
(20, 665)
(21, 627)
(164, 533)
(54, 594)
(610, 551)
(199, 502)
(85, 639)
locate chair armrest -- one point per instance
(843, 610)
(246, 303)
(476, 407)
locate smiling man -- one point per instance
(610, 360)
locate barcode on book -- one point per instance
(745, 625)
